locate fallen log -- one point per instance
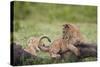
(86, 50)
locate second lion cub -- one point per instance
(34, 44)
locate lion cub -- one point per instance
(71, 37)
(34, 44)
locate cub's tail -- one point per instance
(44, 47)
(41, 38)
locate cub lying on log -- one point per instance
(34, 43)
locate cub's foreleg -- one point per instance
(54, 53)
(74, 49)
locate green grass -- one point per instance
(37, 19)
(47, 12)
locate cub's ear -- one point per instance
(66, 25)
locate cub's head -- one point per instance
(69, 30)
(66, 28)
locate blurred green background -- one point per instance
(37, 19)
